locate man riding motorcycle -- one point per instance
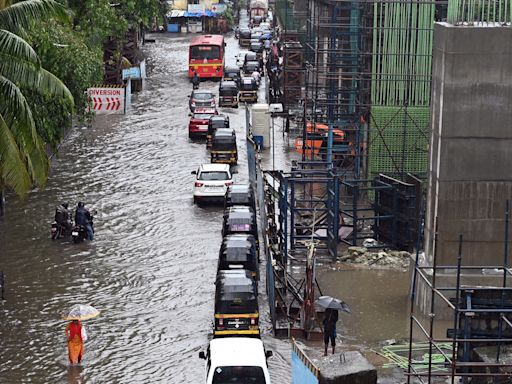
(63, 217)
(83, 217)
(195, 81)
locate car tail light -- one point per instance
(228, 183)
(193, 103)
(253, 321)
(221, 322)
(218, 69)
(198, 184)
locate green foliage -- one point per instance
(23, 159)
(228, 15)
(65, 53)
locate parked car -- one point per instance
(198, 124)
(200, 98)
(212, 181)
(230, 358)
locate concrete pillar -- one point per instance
(470, 173)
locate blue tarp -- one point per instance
(200, 14)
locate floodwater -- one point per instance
(151, 268)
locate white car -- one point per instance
(212, 181)
(240, 59)
(236, 360)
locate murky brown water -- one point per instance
(152, 265)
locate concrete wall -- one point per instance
(470, 171)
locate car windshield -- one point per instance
(202, 116)
(212, 176)
(203, 96)
(202, 52)
(238, 375)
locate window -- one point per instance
(202, 52)
(238, 375)
(212, 176)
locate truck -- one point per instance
(258, 9)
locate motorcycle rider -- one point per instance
(195, 81)
(63, 217)
(83, 217)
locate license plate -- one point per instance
(203, 127)
(241, 227)
(74, 233)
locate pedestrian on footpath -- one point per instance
(330, 319)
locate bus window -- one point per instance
(208, 52)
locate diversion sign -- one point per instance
(107, 100)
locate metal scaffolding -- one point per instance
(481, 332)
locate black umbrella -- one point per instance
(332, 303)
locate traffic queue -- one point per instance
(236, 353)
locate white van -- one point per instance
(236, 359)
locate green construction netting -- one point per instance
(479, 11)
(400, 87)
(398, 140)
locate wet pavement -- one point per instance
(151, 268)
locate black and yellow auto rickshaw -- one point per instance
(238, 251)
(236, 304)
(248, 90)
(240, 194)
(232, 74)
(215, 122)
(224, 148)
(244, 37)
(240, 219)
(228, 94)
(250, 67)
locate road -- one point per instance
(151, 268)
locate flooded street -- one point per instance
(151, 268)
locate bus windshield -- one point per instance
(202, 52)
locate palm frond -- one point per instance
(17, 114)
(51, 84)
(13, 170)
(19, 15)
(13, 46)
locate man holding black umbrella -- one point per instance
(330, 319)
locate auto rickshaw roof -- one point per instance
(231, 69)
(222, 133)
(241, 217)
(227, 84)
(222, 118)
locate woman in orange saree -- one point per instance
(75, 342)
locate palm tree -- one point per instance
(23, 159)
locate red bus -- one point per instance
(206, 56)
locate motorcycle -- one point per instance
(58, 230)
(79, 232)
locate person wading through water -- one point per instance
(330, 319)
(76, 336)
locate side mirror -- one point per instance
(193, 173)
(190, 115)
(202, 355)
(234, 172)
(268, 354)
(188, 96)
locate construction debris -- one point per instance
(374, 258)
